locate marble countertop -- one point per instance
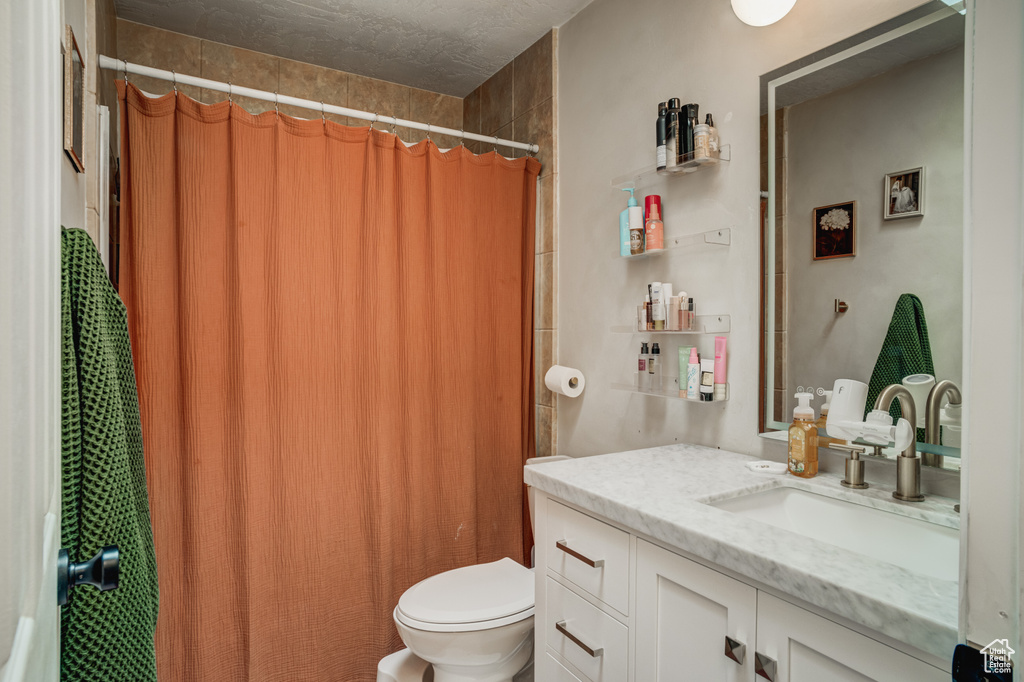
(661, 492)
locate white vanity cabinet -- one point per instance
(681, 619)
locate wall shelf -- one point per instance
(721, 237)
(706, 324)
(671, 393)
(644, 175)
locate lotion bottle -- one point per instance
(803, 439)
(693, 376)
(654, 367)
(642, 380)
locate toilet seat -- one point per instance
(479, 597)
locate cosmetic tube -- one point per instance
(684, 360)
(720, 364)
(707, 379)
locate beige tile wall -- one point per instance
(183, 54)
(780, 367)
(519, 103)
(100, 38)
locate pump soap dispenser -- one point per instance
(633, 218)
(803, 439)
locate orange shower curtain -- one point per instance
(333, 341)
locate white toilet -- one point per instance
(473, 624)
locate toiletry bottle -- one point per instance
(654, 233)
(700, 141)
(707, 379)
(693, 375)
(654, 367)
(684, 359)
(687, 120)
(642, 379)
(721, 363)
(649, 313)
(658, 305)
(635, 220)
(672, 134)
(712, 136)
(803, 439)
(682, 312)
(624, 245)
(660, 132)
(672, 323)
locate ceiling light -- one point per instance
(761, 12)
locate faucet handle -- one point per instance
(854, 465)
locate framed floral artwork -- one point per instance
(904, 194)
(835, 231)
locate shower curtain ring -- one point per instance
(428, 133)
(125, 71)
(495, 144)
(174, 80)
(323, 113)
(277, 105)
(462, 137)
(231, 102)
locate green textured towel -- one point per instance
(905, 351)
(105, 636)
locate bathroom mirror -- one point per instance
(862, 201)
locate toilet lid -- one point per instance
(502, 590)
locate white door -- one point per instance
(808, 648)
(30, 158)
(684, 613)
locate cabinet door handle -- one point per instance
(735, 650)
(594, 653)
(576, 555)
(765, 666)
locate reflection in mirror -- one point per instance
(862, 160)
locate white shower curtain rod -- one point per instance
(181, 79)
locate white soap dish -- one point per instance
(767, 467)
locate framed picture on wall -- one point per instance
(835, 231)
(904, 194)
(74, 100)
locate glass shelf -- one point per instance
(706, 324)
(644, 175)
(722, 237)
(672, 393)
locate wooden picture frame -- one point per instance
(74, 100)
(904, 194)
(835, 231)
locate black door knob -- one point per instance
(102, 571)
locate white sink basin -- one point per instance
(916, 545)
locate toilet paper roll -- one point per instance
(564, 381)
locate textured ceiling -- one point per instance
(447, 46)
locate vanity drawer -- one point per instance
(553, 671)
(585, 636)
(590, 553)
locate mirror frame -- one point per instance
(892, 29)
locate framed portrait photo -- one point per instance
(835, 231)
(904, 194)
(74, 100)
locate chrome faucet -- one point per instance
(932, 423)
(908, 464)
